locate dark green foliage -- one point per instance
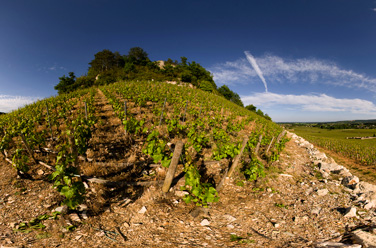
(225, 91)
(66, 84)
(137, 56)
(251, 107)
(207, 86)
(84, 82)
(105, 78)
(266, 116)
(105, 61)
(197, 73)
(259, 112)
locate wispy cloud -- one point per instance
(311, 103)
(255, 66)
(51, 68)
(9, 103)
(280, 70)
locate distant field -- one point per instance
(363, 151)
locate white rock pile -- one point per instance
(362, 193)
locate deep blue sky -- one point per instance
(318, 58)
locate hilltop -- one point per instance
(109, 67)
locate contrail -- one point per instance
(255, 66)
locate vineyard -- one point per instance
(70, 136)
(362, 151)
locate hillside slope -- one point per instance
(120, 154)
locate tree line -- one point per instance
(108, 67)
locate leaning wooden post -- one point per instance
(271, 142)
(86, 110)
(49, 122)
(125, 116)
(237, 158)
(164, 104)
(281, 135)
(219, 186)
(73, 148)
(258, 145)
(185, 111)
(172, 168)
(28, 148)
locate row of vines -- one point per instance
(357, 150)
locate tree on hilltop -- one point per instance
(225, 91)
(66, 84)
(251, 107)
(137, 56)
(104, 61)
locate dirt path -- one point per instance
(292, 207)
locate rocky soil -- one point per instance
(306, 200)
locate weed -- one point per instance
(318, 175)
(71, 227)
(281, 205)
(43, 235)
(240, 183)
(241, 240)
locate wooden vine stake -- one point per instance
(271, 142)
(125, 116)
(28, 148)
(229, 172)
(258, 145)
(164, 104)
(49, 122)
(172, 168)
(237, 158)
(73, 149)
(86, 110)
(281, 135)
(185, 111)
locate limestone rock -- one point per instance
(350, 181)
(351, 212)
(330, 167)
(337, 245)
(322, 192)
(364, 238)
(61, 209)
(229, 218)
(142, 210)
(205, 222)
